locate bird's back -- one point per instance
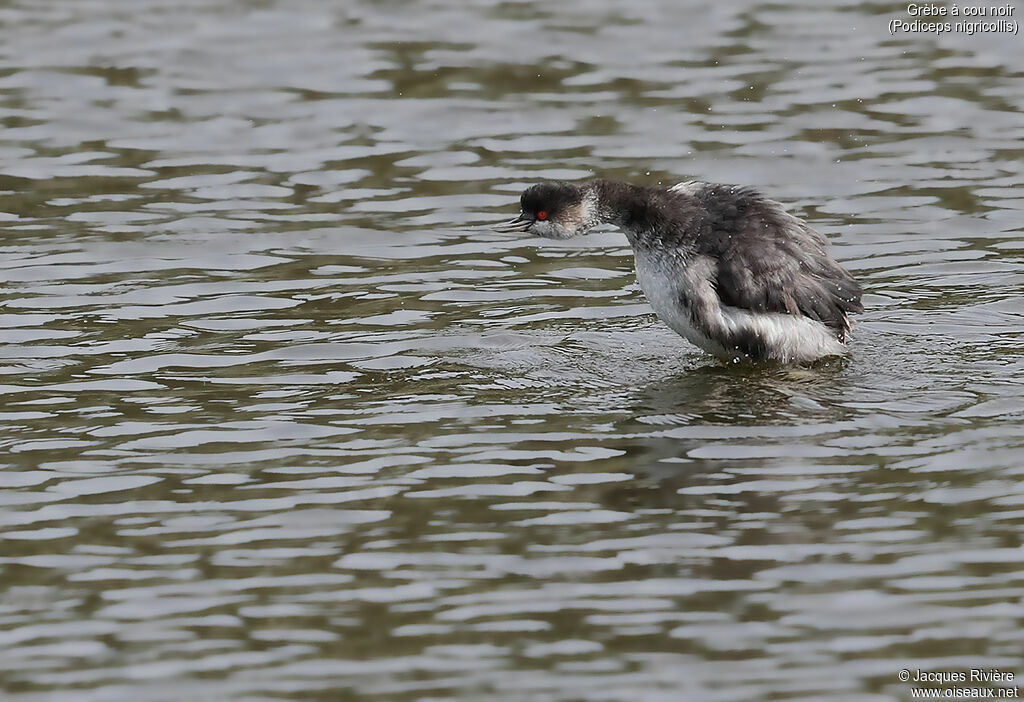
(767, 260)
(735, 273)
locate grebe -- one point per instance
(726, 268)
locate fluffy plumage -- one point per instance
(722, 265)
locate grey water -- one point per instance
(282, 419)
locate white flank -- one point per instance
(667, 283)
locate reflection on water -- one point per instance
(283, 420)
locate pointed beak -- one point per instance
(519, 224)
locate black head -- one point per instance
(554, 210)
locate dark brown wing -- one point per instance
(770, 261)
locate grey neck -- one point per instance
(621, 204)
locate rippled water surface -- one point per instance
(282, 419)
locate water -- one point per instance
(283, 420)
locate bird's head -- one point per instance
(554, 210)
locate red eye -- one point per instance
(541, 214)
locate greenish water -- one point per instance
(282, 419)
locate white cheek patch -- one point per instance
(570, 220)
(589, 217)
(550, 230)
(571, 217)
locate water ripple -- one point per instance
(283, 420)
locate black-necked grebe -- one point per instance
(723, 266)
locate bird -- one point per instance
(726, 268)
